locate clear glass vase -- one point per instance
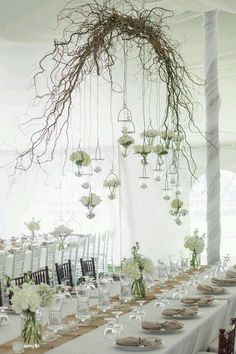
(138, 288)
(195, 261)
(31, 330)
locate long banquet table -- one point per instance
(195, 336)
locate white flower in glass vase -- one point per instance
(33, 226)
(125, 140)
(196, 245)
(112, 184)
(150, 135)
(61, 232)
(160, 149)
(26, 301)
(177, 141)
(81, 159)
(167, 136)
(90, 201)
(143, 150)
(177, 210)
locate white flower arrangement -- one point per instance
(30, 297)
(112, 184)
(90, 201)
(195, 243)
(160, 149)
(177, 210)
(125, 140)
(61, 232)
(33, 225)
(80, 157)
(149, 134)
(134, 267)
(143, 151)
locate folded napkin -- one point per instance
(167, 325)
(186, 311)
(200, 301)
(137, 341)
(224, 281)
(207, 289)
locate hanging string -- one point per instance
(143, 104)
(149, 105)
(72, 170)
(84, 114)
(112, 129)
(125, 98)
(90, 113)
(97, 109)
(80, 117)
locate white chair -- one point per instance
(35, 259)
(101, 253)
(18, 263)
(109, 259)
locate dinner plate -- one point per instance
(140, 348)
(225, 284)
(200, 305)
(213, 294)
(162, 331)
(181, 317)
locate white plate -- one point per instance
(225, 284)
(141, 348)
(181, 317)
(162, 331)
(200, 305)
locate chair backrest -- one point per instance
(2, 264)
(50, 255)
(64, 272)
(227, 338)
(41, 276)
(35, 258)
(88, 267)
(18, 264)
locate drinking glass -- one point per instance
(161, 301)
(140, 308)
(118, 326)
(125, 288)
(162, 271)
(4, 319)
(110, 332)
(82, 296)
(55, 322)
(173, 265)
(104, 294)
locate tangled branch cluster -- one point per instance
(91, 36)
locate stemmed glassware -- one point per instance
(4, 319)
(140, 308)
(118, 326)
(110, 332)
(104, 294)
(173, 266)
(83, 311)
(125, 288)
(162, 271)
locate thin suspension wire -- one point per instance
(125, 98)
(112, 128)
(143, 103)
(90, 113)
(84, 113)
(97, 108)
(80, 117)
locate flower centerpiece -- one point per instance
(112, 183)
(150, 135)
(177, 210)
(196, 245)
(134, 267)
(61, 232)
(90, 201)
(81, 159)
(143, 150)
(32, 227)
(26, 301)
(160, 149)
(125, 140)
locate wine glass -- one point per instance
(4, 319)
(119, 327)
(110, 331)
(140, 309)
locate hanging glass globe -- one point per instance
(178, 189)
(97, 161)
(166, 193)
(158, 173)
(144, 182)
(172, 177)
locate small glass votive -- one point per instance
(18, 347)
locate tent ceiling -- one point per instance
(26, 34)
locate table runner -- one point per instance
(6, 348)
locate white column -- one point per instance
(212, 134)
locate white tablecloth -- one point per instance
(195, 336)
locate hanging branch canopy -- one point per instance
(91, 37)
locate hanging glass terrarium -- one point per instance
(144, 179)
(166, 191)
(125, 116)
(97, 161)
(112, 182)
(172, 177)
(125, 140)
(90, 202)
(81, 160)
(158, 171)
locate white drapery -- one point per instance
(212, 135)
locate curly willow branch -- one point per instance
(92, 34)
